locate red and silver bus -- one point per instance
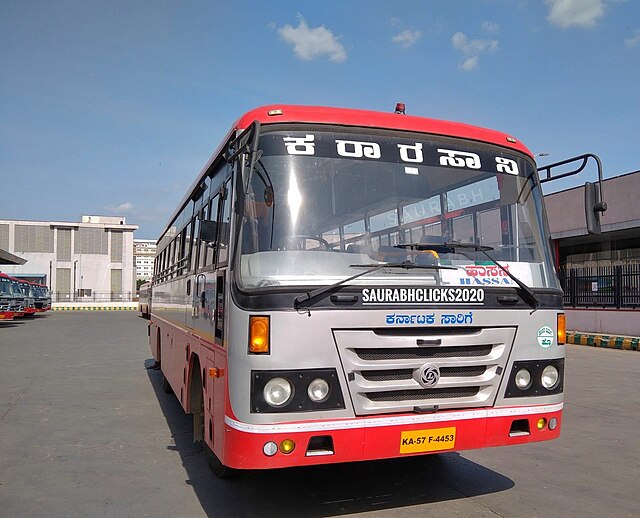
(343, 285)
(28, 296)
(42, 298)
(7, 299)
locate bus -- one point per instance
(344, 285)
(28, 296)
(42, 298)
(144, 300)
(7, 305)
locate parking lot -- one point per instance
(85, 430)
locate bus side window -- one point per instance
(223, 234)
(213, 216)
(196, 241)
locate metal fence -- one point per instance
(602, 286)
(126, 296)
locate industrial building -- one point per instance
(89, 260)
(600, 274)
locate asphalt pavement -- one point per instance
(85, 430)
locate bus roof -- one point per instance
(288, 113)
(279, 113)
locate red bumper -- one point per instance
(323, 442)
(6, 315)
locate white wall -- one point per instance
(624, 322)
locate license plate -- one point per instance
(418, 441)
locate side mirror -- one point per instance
(593, 207)
(208, 231)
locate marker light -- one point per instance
(523, 379)
(287, 446)
(318, 390)
(550, 377)
(553, 422)
(562, 329)
(277, 392)
(259, 334)
(542, 422)
(270, 449)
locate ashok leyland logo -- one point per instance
(427, 375)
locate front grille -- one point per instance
(406, 374)
(423, 352)
(383, 368)
(425, 394)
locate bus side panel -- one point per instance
(219, 396)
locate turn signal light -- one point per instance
(259, 335)
(287, 446)
(562, 329)
(542, 422)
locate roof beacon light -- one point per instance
(400, 108)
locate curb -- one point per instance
(627, 343)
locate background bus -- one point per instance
(144, 300)
(342, 285)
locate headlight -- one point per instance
(318, 390)
(550, 377)
(277, 392)
(523, 379)
(300, 390)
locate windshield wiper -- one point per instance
(370, 268)
(526, 293)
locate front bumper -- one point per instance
(349, 440)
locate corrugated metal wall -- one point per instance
(33, 238)
(116, 281)
(63, 280)
(4, 237)
(64, 244)
(116, 246)
(91, 241)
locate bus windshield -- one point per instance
(320, 204)
(5, 287)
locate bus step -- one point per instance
(519, 427)
(320, 445)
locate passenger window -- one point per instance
(210, 252)
(225, 226)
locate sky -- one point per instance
(113, 107)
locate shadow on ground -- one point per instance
(330, 490)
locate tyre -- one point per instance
(219, 469)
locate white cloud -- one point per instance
(575, 13)
(633, 40)
(407, 38)
(123, 208)
(472, 49)
(469, 64)
(490, 27)
(309, 44)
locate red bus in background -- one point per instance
(25, 296)
(42, 299)
(7, 304)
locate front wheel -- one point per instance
(219, 469)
